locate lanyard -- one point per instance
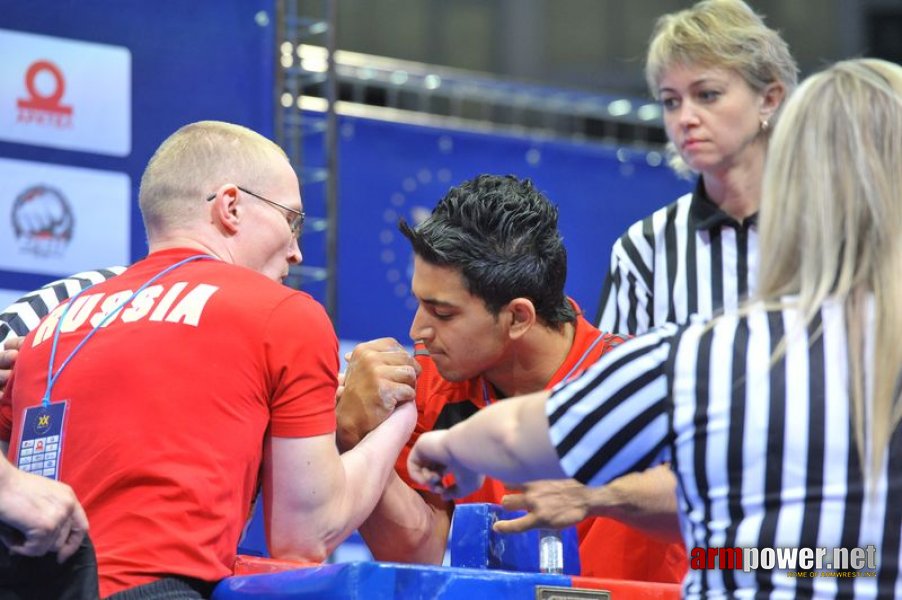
(486, 397)
(582, 358)
(51, 378)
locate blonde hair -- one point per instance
(193, 162)
(725, 34)
(831, 224)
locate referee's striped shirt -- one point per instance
(687, 258)
(24, 314)
(764, 455)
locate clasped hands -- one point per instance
(380, 376)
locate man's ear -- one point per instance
(523, 316)
(224, 210)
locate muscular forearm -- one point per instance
(6, 469)
(508, 441)
(645, 501)
(320, 503)
(404, 527)
(367, 467)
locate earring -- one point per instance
(765, 125)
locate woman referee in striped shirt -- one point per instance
(780, 420)
(720, 75)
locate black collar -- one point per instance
(704, 214)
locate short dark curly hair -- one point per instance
(501, 233)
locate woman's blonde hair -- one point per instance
(725, 34)
(831, 225)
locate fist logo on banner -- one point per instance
(44, 108)
(43, 222)
(56, 219)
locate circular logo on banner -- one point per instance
(49, 101)
(45, 85)
(418, 194)
(42, 220)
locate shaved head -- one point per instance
(193, 162)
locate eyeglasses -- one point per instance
(295, 223)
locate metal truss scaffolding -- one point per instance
(301, 23)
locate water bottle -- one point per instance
(551, 552)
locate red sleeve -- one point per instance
(302, 359)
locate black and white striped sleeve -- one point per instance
(24, 314)
(614, 419)
(627, 295)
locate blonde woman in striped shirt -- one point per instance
(721, 76)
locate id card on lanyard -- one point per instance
(41, 440)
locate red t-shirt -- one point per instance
(607, 548)
(168, 406)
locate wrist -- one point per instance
(604, 502)
(7, 474)
(346, 438)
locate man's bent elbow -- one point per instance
(315, 552)
(307, 548)
(421, 548)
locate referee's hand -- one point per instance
(44, 515)
(549, 504)
(8, 358)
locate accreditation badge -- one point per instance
(41, 443)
